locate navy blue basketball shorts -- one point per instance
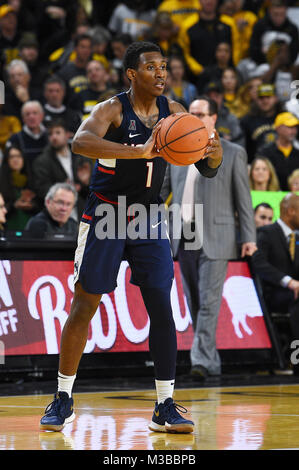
(111, 233)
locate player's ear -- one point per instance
(131, 74)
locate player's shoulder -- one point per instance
(175, 106)
(111, 106)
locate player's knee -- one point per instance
(84, 306)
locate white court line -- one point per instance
(120, 391)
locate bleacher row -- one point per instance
(58, 59)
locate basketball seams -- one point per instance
(172, 160)
(181, 137)
(172, 124)
(193, 138)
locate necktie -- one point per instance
(187, 209)
(292, 245)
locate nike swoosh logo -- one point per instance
(133, 135)
(157, 413)
(156, 225)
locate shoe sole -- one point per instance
(156, 427)
(57, 427)
(179, 428)
(184, 428)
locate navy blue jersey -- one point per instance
(140, 180)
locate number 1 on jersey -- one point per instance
(149, 174)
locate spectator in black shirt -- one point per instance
(17, 188)
(54, 107)
(33, 138)
(227, 124)
(257, 124)
(18, 89)
(57, 164)
(86, 99)
(29, 53)
(74, 73)
(200, 40)
(9, 34)
(274, 26)
(55, 218)
(223, 59)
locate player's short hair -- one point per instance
(134, 51)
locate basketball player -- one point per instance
(120, 136)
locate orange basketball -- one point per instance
(182, 139)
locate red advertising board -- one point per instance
(35, 299)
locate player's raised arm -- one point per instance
(89, 138)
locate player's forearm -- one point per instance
(91, 146)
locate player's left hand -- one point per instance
(149, 148)
(214, 150)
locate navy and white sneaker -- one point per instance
(58, 413)
(166, 418)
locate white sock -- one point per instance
(164, 389)
(65, 383)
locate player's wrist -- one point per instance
(214, 162)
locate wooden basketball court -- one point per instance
(226, 418)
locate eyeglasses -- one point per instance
(201, 115)
(61, 203)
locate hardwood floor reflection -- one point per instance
(245, 418)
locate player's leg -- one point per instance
(163, 349)
(152, 271)
(91, 278)
(73, 341)
(75, 331)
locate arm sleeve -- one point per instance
(205, 170)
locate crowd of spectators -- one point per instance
(59, 58)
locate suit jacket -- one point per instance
(272, 260)
(222, 197)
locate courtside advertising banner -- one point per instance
(35, 300)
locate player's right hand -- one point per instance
(149, 148)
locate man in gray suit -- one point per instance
(227, 222)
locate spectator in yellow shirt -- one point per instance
(9, 125)
(181, 10)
